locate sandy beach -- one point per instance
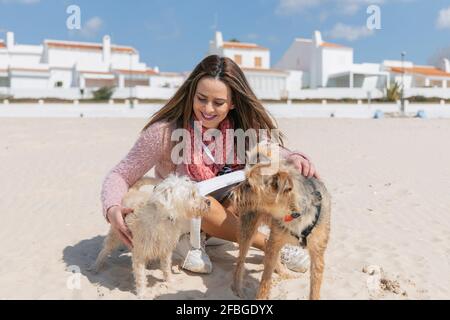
(389, 179)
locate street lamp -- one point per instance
(403, 83)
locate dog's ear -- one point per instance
(254, 174)
(281, 182)
(317, 198)
(165, 198)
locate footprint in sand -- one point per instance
(378, 283)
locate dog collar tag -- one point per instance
(292, 216)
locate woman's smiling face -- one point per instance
(212, 102)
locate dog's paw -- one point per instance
(288, 274)
(237, 290)
(284, 273)
(165, 284)
(262, 297)
(141, 294)
(176, 269)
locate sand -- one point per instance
(390, 238)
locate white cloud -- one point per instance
(91, 27)
(351, 7)
(349, 33)
(443, 20)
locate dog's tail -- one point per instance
(145, 181)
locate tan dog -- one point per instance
(297, 210)
(158, 221)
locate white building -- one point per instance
(328, 71)
(254, 61)
(416, 76)
(325, 64)
(78, 67)
(309, 69)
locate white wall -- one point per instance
(160, 81)
(372, 82)
(295, 80)
(267, 85)
(334, 93)
(122, 61)
(29, 82)
(59, 93)
(443, 93)
(408, 80)
(65, 76)
(93, 59)
(23, 60)
(335, 61)
(141, 92)
(123, 110)
(297, 56)
(68, 58)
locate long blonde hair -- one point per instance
(248, 113)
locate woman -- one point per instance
(217, 95)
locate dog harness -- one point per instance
(302, 238)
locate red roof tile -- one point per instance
(332, 45)
(263, 70)
(87, 46)
(424, 70)
(94, 72)
(28, 69)
(242, 45)
(146, 72)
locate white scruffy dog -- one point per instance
(158, 221)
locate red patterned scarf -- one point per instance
(201, 167)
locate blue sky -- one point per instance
(174, 34)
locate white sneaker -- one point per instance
(195, 260)
(295, 258)
(213, 242)
(264, 229)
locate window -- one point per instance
(59, 84)
(238, 59)
(4, 82)
(258, 62)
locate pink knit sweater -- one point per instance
(152, 149)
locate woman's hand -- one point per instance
(305, 166)
(116, 216)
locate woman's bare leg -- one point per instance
(222, 222)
